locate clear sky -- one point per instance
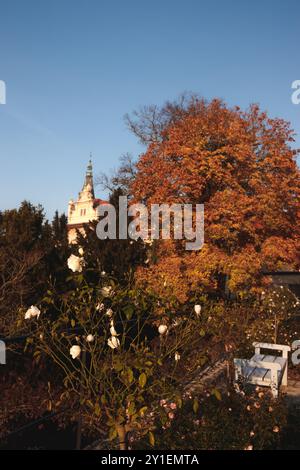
(74, 68)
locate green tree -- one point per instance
(117, 257)
(31, 250)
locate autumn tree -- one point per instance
(242, 167)
(120, 178)
(148, 122)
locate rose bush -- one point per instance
(231, 421)
(117, 356)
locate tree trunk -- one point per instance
(122, 437)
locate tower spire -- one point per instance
(89, 170)
(89, 182)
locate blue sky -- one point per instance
(74, 68)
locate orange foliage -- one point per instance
(242, 167)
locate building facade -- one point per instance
(84, 210)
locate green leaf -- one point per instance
(130, 376)
(151, 438)
(112, 434)
(217, 394)
(73, 323)
(163, 419)
(118, 366)
(90, 404)
(195, 405)
(97, 410)
(131, 408)
(142, 379)
(149, 363)
(143, 410)
(128, 310)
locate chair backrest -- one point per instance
(274, 347)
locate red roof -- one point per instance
(99, 202)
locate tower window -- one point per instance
(83, 212)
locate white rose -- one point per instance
(27, 315)
(109, 313)
(177, 356)
(103, 273)
(75, 263)
(113, 342)
(75, 351)
(80, 251)
(90, 338)
(106, 291)
(197, 309)
(113, 331)
(162, 329)
(32, 312)
(99, 307)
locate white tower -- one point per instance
(84, 210)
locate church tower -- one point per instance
(84, 210)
